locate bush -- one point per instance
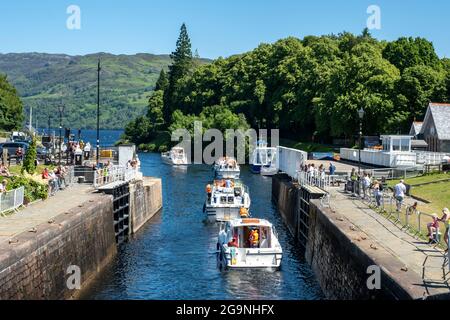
(151, 147)
(29, 163)
(163, 148)
(33, 189)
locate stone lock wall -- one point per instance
(145, 201)
(36, 266)
(339, 263)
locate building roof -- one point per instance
(440, 113)
(416, 128)
(419, 144)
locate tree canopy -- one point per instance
(311, 87)
(11, 108)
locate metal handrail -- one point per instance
(12, 200)
(388, 205)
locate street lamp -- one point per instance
(361, 116)
(98, 112)
(61, 112)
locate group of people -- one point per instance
(433, 227)
(399, 194)
(227, 163)
(253, 239)
(318, 172)
(57, 178)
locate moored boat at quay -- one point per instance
(175, 157)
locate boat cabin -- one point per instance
(227, 192)
(249, 233)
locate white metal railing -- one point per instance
(106, 176)
(430, 158)
(291, 160)
(395, 173)
(321, 180)
(380, 158)
(11, 200)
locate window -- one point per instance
(405, 144)
(396, 144)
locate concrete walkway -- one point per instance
(428, 262)
(30, 217)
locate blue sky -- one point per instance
(217, 27)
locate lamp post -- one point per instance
(361, 116)
(98, 112)
(61, 112)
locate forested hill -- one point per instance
(46, 80)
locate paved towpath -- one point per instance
(427, 261)
(35, 214)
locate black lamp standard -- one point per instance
(98, 111)
(361, 116)
(61, 112)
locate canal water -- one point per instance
(173, 257)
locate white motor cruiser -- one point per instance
(226, 200)
(248, 243)
(227, 168)
(175, 157)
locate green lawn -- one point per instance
(437, 193)
(422, 179)
(306, 146)
(16, 170)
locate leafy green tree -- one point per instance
(138, 130)
(419, 85)
(29, 163)
(409, 52)
(181, 67)
(11, 108)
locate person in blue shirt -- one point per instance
(332, 169)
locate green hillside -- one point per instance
(46, 80)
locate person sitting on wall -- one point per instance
(4, 172)
(3, 186)
(433, 228)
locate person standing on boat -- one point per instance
(228, 183)
(254, 238)
(209, 191)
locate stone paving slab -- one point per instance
(427, 261)
(43, 211)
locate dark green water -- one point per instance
(173, 257)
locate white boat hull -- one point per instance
(243, 258)
(169, 161)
